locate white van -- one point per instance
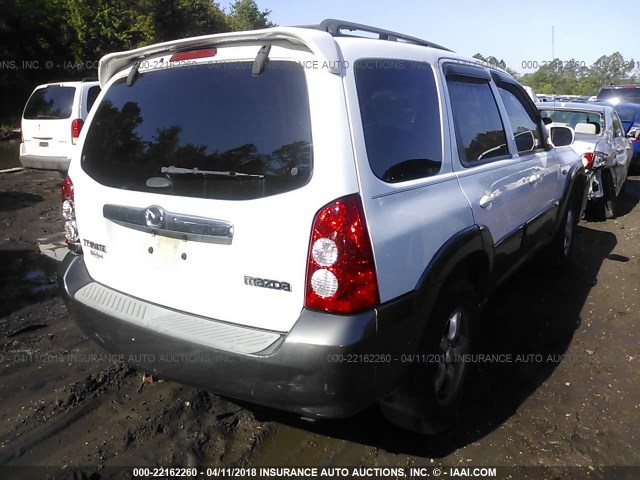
(51, 123)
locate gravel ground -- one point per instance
(568, 396)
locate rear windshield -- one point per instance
(573, 117)
(623, 95)
(53, 102)
(204, 132)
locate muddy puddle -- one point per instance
(26, 276)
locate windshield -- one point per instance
(572, 118)
(52, 102)
(200, 119)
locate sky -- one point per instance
(514, 31)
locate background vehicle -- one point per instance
(601, 142)
(52, 121)
(322, 212)
(630, 116)
(620, 93)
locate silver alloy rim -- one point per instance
(451, 364)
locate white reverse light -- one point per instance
(324, 283)
(324, 252)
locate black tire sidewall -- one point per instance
(454, 295)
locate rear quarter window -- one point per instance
(92, 94)
(204, 132)
(52, 102)
(400, 118)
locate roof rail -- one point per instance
(337, 27)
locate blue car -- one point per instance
(630, 116)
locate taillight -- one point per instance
(69, 214)
(341, 275)
(593, 160)
(587, 160)
(76, 126)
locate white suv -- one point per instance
(51, 123)
(307, 219)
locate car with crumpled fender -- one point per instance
(601, 142)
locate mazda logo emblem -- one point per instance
(154, 217)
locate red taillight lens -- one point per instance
(193, 54)
(341, 275)
(67, 189)
(587, 160)
(76, 126)
(69, 214)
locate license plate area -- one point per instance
(44, 144)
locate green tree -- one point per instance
(491, 60)
(245, 15)
(32, 33)
(174, 19)
(612, 69)
(104, 26)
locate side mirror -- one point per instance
(560, 135)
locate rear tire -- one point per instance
(429, 400)
(558, 253)
(609, 198)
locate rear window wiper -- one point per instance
(196, 171)
(48, 117)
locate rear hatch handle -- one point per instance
(158, 221)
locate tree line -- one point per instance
(573, 77)
(43, 41)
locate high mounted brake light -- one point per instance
(193, 54)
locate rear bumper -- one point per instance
(327, 366)
(40, 162)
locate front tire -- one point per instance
(429, 400)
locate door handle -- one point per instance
(533, 179)
(487, 200)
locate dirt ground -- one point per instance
(568, 396)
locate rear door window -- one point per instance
(479, 130)
(53, 102)
(204, 132)
(400, 117)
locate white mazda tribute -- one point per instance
(309, 219)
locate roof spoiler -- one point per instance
(318, 42)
